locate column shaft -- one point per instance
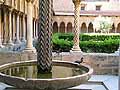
(76, 26)
(24, 29)
(29, 42)
(18, 29)
(10, 28)
(14, 28)
(34, 30)
(0, 29)
(5, 28)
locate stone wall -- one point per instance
(102, 63)
(7, 57)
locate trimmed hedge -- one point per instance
(88, 43)
(86, 37)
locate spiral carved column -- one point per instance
(44, 54)
(76, 25)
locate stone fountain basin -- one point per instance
(49, 84)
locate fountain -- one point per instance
(43, 73)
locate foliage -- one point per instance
(103, 24)
(88, 43)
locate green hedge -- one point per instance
(86, 37)
(88, 43)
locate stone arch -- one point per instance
(69, 27)
(55, 27)
(113, 29)
(62, 27)
(83, 28)
(90, 28)
(118, 28)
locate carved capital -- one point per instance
(1, 1)
(30, 1)
(76, 2)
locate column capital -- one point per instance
(10, 10)
(30, 1)
(76, 2)
(1, 1)
(15, 11)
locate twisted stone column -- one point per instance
(76, 25)
(44, 54)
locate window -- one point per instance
(82, 7)
(98, 8)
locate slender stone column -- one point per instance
(5, 28)
(29, 42)
(10, 28)
(76, 25)
(24, 29)
(14, 28)
(17, 41)
(0, 30)
(37, 29)
(34, 36)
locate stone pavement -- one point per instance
(96, 82)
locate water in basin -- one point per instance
(30, 71)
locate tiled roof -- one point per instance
(63, 5)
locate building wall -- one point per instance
(105, 5)
(87, 20)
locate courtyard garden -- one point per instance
(97, 43)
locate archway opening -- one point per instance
(90, 28)
(69, 27)
(62, 27)
(55, 27)
(118, 28)
(83, 28)
(113, 29)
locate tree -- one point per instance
(103, 24)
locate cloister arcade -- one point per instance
(15, 21)
(85, 26)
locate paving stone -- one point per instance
(112, 83)
(88, 87)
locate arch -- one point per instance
(69, 27)
(90, 28)
(113, 29)
(62, 27)
(118, 28)
(83, 28)
(55, 27)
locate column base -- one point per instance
(75, 55)
(17, 41)
(30, 50)
(23, 40)
(1, 46)
(10, 43)
(118, 51)
(75, 49)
